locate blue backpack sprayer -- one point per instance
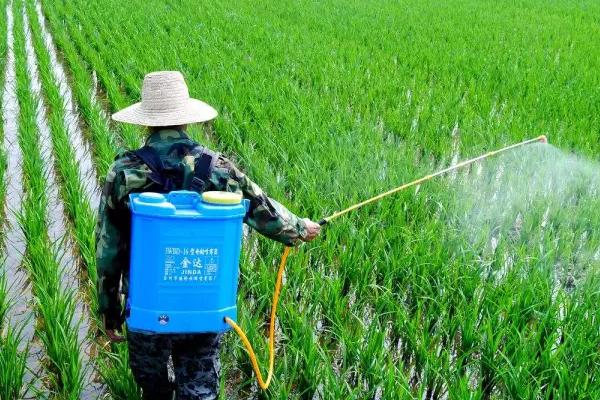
(185, 250)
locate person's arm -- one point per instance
(112, 256)
(266, 215)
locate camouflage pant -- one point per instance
(195, 363)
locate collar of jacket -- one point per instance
(166, 134)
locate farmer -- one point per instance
(170, 160)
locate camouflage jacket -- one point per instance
(129, 174)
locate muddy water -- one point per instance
(87, 171)
(57, 227)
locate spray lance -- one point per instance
(264, 384)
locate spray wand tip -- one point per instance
(543, 139)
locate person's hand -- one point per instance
(111, 331)
(312, 230)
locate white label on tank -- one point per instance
(191, 264)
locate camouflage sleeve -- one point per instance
(112, 238)
(266, 215)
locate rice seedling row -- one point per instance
(12, 235)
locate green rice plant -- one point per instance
(12, 364)
(114, 369)
(5, 301)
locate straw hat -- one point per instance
(165, 101)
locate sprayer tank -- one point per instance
(184, 261)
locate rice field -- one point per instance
(482, 284)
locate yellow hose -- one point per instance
(262, 383)
(265, 384)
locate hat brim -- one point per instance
(193, 111)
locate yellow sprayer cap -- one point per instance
(221, 197)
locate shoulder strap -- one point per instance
(152, 159)
(204, 163)
(203, 168)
